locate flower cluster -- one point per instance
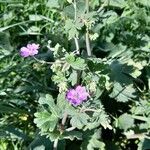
(29, 50)
(77, 96)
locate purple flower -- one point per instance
(24, 52)
(29, 50)
(77, 96)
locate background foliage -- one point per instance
(117, 75)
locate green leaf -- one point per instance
(144, 2)
(123, 93)
(51, 135)
(148, 75)
(69, 1)
(35, 17)
(125, 121)
(117, 3)
(94, 3)
(79, 64)
(50, 102)
(144, 144)
(72, 135)
(117, 69)
(73, 32)
(70, 58)
(59, 77)
(5, 43)
(53, 120)
(13, 132)
(76, 63)
(62, 103)
(71, 111)
(97, 65)
(81, 8)
(110, 18)
(13, 25)
(45, 121)
(68, 24)
(8, 16)
(68, 11)
(98, 118)
(62, 144)
(47, 100)
(79, 120)
(115, 50)
(73, 78)
(91, 141)
(5, 108)
(52, 4)
(40, 143)
(71, 28)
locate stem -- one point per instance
(75, 18)
(45, 62)
(77, 45)
(142, 118)
(70, 129)
(87, 6)
(138, 136)
(102, 6)
(42, 61)
(55, 144)
(64, 119)
(75, 10)
(63, 123)
(87, 40)
(88, 109)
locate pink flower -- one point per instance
(24, 52)
(77, 96)
(30, 50)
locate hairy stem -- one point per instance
(42, 61)
(102, 6)
(75, 10)
(55, 144)
(75, 17)
(88, 110)
(88, 43)
(77, 45)
(62, 123)
(87, 40)
(87, 6)
(64, 119)
(70, 129)
(45, 62)
(138, 136)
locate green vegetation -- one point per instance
(103, 45)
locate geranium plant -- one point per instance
(82, 74)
